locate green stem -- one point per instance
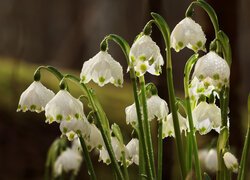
(187, 71)
(125, 169)
(160, 145)
(146, 124)
(126, 49)
(101, 119)
(245, 152)
(163, 27)
(87, 159)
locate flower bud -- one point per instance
(231, 162)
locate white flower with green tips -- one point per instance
(68, 160)
(213, 66)
(231, 162)
(145, 56)
(102, 69)
(133, 150)
(94, 140)
(206, 117)
(35, 98)
(168, 126)
(157, 108)
(63, 106)
(70, 128)
(187, 33)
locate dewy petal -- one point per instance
(188, 33)
(157, 107)
(63, 106)
(35, 97)
(68, 160)
(133, 150)
(168, 126)
(213, 66)
(102, 69)
(206, 117)
(145, 56)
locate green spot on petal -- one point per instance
(59, 117)
(77, 116)
(33, 107)
(201, 77)
(216, 76)
(199, 44)
(83, 78)
(151, 61)
(143, 67)
(108, 161)
(180, 44)
(65, 130)
(142, 58)
(101, 79)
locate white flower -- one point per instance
(69, 160)
(198, 88)
(35, 98)
(102, 69)
(94, 140)
(70, 128)
(211, 161)
(206, 117)
(133, 150)
(145, 56)
(157, 108)
(76, 145)
(202, 154)
(63, 106)
(118, 148)
(231, 162)
(168, 126)
(188, 33)
(213, 66)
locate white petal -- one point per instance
(231, 162)
(63, 106)
(95, 139)
(35, 97)
(157, 107)
(133, 150)
(131, 115)
(211, 161)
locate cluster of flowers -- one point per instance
(210, 74)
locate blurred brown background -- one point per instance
(64, 33)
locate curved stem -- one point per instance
(187, 71)
(87, 159)
(163, 27)
(101, 119)
(146, 124)
(126, 49)
(159, 166)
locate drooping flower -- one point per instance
(133, 150)
(206, 117)
(145, 56)
(187, 33)
(63, 106)
(231, 162)
(211, 161)
(35, 98)
(94, 140)
(102, 69)
(157, 108)
(70, 128)
(213, 66)
(199, 88)
(68, 160)
(168, 126)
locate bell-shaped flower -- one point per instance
(198, 88)
(213, 66)
(168, 126)
(70, 128)
(118, 148)
(188, 33)
(68, 160)
(35, 98)
(145, 56)
(102, 69)
(206, 117)
(211, 161)
(231, 162)
(156, 107)
(133, 150)
(94, 140)
(63, 106)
